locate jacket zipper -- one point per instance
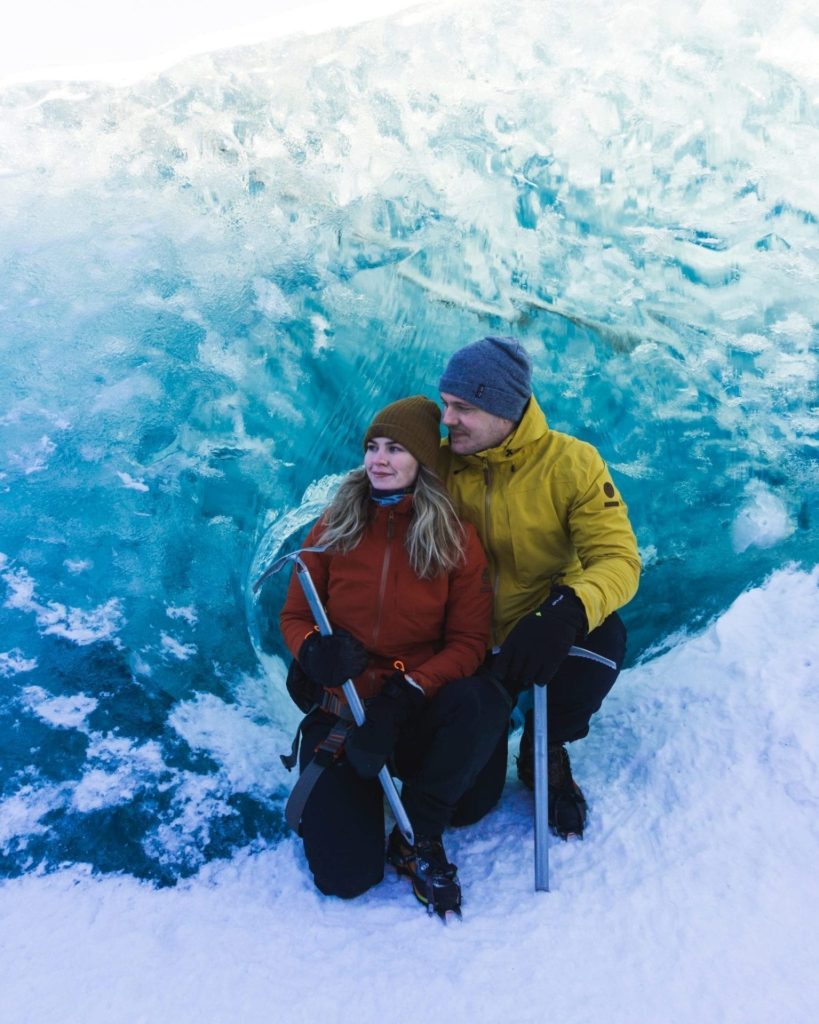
(385, 568)
(487, 518)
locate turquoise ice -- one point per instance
(212, 278)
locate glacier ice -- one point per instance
(212, 277)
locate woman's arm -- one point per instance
(468, 620)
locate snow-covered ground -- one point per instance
(693, 898)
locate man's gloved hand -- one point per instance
(368, 746)
(537, 645)
(332, 660)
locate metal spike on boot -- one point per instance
(567, 805)
(434, 880)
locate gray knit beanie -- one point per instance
(495, 374)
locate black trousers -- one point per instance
(439, 755)
(452, 757)
(575, 693)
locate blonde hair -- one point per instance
(435, 539)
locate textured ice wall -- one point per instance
(211, 279)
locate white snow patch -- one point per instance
(247, 749)
(131, 484)
(14, 661)
(195, 805)
(188, 613)
(79, 565)
(118, 769)
(762, 521)
(81, 626)
(20, 815)
(175, 648)
(321, 332)
(68, 712)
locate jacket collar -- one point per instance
(403, 507)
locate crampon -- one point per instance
(434, 880)
(567, 805)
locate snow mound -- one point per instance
(694, 896)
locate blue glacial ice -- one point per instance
(210, 279)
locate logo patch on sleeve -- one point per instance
(609, 491)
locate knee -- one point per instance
(464, 700)
(475, 806)
(347, 881)
(461, 694)
(345, 869)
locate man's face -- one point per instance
(472, 429)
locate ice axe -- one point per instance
(353, 700)
(541, 729)
(541, 770)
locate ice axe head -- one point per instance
(294, 558)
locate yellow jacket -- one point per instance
(547, 512)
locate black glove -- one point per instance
(368, 746)
(537, 645)
(332, 660)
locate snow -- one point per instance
(693, 898)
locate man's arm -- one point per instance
(605, 543)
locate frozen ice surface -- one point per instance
(762, 521)
(213, 276)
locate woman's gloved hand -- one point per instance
(332, 660)
(368, 747)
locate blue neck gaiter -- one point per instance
(387, 498)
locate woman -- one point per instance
(405, 586)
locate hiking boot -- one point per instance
(567, 805)
(434, 880)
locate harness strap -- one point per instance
(336, 706)
(327, 751)
(329, 703)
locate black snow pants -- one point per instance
(575, 693)
(440, 753)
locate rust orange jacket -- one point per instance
(437, 628)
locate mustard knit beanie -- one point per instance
(412, 422)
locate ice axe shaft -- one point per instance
(541, 730)
(541, 790)
(353, 700)
(541, 767)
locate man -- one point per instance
(562, 556)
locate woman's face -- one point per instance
(389, 465)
